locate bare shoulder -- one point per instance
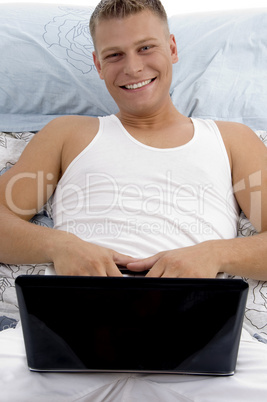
(47, 154)
(235, 131)
(66, 128)
(56, 144)
(69, 135)
(62, 127)
(240, 141)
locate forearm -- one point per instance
(22, 242)
(246, 256)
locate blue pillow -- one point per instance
(222, 72)
(46, 67)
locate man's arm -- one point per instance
(28, 185)
(248, 156)
(245, 257)
(24, 189)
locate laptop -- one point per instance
(131, 324)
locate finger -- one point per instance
(155, 272)
(160, 268)
(95, 270)
(169, 274)
(123, 259)
(144, 264)
(113, 270)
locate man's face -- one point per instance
(134, 56)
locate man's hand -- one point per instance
(190, 262)
(73, 256)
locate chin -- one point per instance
(140, 109)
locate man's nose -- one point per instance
(133, 64)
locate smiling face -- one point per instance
(134, 56)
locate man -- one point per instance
(148, 189)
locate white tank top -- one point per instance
(140, 200)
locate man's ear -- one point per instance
(98, 65)
(173, 47)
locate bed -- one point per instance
(47, 70)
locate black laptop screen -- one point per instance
(130, 324)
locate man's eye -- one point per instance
(113, 55)
(144, 48)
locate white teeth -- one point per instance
(139, 85)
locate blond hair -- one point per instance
(108, 9)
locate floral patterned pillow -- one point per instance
(11, 147)
(256, 310)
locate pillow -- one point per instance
(6, 323)
(222, 72)
(255, 319)
(8, 274)
(11, 146)
(46, 67)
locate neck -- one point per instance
(155, 120)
